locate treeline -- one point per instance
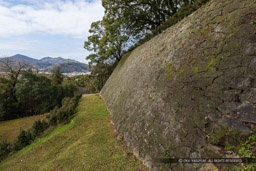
(95, 81)
(59, 115)
(128, 24)
(87, 84)
(25, 93)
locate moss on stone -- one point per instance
(169, 73)
(211, 65)
(217, 19)
(224, 135)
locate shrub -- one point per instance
(52, 119)
(57, 115)
(62, 116)
(24, 139)
(38, 128)
(65, 112)
(5, 149)
(247, 150)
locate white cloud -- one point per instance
(71, 18)
(2, 2)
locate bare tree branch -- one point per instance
(14, 68)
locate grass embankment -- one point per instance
(9, 130)
(88, 142)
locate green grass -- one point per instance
(88, 142)
(9, 130)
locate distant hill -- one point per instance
(68, 67)
(18, 58)
(58, 60)
(25, 58)
(48, 64)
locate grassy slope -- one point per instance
(13, 127)
(86, 143)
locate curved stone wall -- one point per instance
(190, 90)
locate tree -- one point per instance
(100, 74)
(125, 22)
(57, 77)
(13, 69)
(33, 93)
(9, 105)
(142, 16)
(24, 93)
(108, 41)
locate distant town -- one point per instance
(72, 74)
(48, 65)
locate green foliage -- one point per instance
(69, 89)
(32, 94)
(185, 10)
(230, 147)
(58, 115)
(246, 149)
(27, 93)
(128, 24)
(64, 113)
(38, 128)
(85, 143)
(94, 82)
(8, 101)
(5, 149)
(143, 16)
(108, 42)
(57, 77)
(100, 74)
(25, 138)
(52, 119)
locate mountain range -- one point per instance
(49, 64)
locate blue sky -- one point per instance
(40, 28)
